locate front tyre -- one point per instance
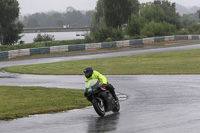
(99, 106)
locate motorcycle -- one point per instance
(101, 99)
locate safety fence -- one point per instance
(91, 46)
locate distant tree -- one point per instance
(161, 10)
(32, 22)
(188, 22)
(70, 9)
(194, 29)
(12, 35)
(171, 16)
(99, 30)
(10, 28)
(135, 6)
(151, 12)
(117, 12)
(156, 18)
(97, 17)
(54, 19)
(60, 23)
(134, 26)
(98, 14)
(157, 2)
(190, 18)
(198, 13)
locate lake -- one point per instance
(28, 37)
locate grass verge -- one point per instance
(177, 62)
(16, 102)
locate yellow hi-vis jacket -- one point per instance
(96, 75)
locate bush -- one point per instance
(44, 38)
(182, 32)
(133, 27)
(194, 29)
(100, 32)
(153, 29)
(103, 33)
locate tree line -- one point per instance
(110, 21)
(72, 18)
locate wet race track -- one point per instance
(154, 104)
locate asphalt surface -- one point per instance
(155, 104)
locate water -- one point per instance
(28, 37)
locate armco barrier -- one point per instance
(169, 38)
(159, 39)
(24, 52)
(42, 50)
(195, 37)
(59, 49)
(13, 54)
(108, 44)
(181, 37)
(64, 48)
(92, 46)
(55, 49)
(18, 53)
(148, 40)
(4, 55)
(34, 51)
(124, 43)
(136, 42)
(76, 47)
(120, 44)
(45, 50)
(189, 37)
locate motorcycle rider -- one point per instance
(93, 74)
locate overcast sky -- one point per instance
(33, 6)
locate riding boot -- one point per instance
(114, 95)
(112, 91)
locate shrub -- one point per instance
(133, 27)
(100, 32)
(194, 29)
(158, 29)
(103, 33)
(44, 38)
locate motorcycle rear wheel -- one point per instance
(99, 106)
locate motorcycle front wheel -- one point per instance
(99, 106)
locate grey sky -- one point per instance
(33, 6)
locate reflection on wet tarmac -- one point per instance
(104, 124)
(7, 75)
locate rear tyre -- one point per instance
(99, 106)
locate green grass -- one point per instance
(177, 62)
(16, 102)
